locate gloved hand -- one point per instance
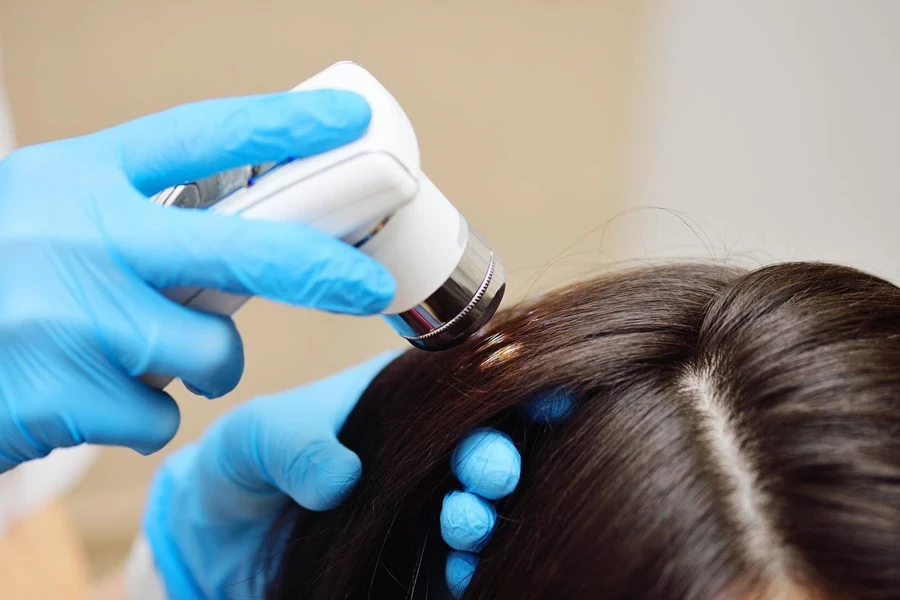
(83, 254)
(212, 502)
(488, 466)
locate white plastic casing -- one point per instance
(348, 191)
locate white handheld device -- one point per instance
(372, 194)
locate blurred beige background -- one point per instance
(772, 127)
(520, 107)
(577, 134)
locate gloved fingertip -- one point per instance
(210, 391)
(331, 276)
(383, 289)
(459, 572)
(331, 472)
(487, 463)
(321, 119)
(147, 449)
(550, 406)
(152, 432)
(156, 440)
(347, 110)
(197, 391)
(467, 521)
(372, 293)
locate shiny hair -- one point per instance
(734, 435)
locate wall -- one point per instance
(521, 109)
(768, 130)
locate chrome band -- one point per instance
(461, 306)
(205, 192)
(169, 196)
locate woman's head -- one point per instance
(733, 435)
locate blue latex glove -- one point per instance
(83, 255)
(212, 502)
(488, 466)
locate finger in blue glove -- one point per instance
(213, 502)
(459, 572)
(550, 406)
(487, 463)
(488, 466)
(467, 521)
(84, 256)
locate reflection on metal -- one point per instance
(208, 191)
(462, 305)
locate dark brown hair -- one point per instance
(735, 435)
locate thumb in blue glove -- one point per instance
(84, 256)
(213, 502)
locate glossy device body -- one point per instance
(372, 194)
